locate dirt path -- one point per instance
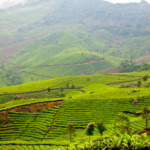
(27, 127)
(109, 70)
(82, 63)
(32, 108)
(52, 125)
(37, 74)
(40, 91)
(124, 81)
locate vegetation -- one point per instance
(39, 54)
(145, 113)
(124, 142)
(30, 113)
(90, 129)
(101, 128)
(66, 39)
(130, 66)
(139, 83)
(122, 124)
(70, 130)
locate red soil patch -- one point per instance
(110, 70)
(39, 107)
(146, 130)
(4, 115)
(33, 108)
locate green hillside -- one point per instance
(56, 56)
(35, 115)
(70, 38)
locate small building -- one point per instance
(135, 101)
(135, 90)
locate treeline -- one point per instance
(130, 66)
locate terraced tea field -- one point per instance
(31, 117)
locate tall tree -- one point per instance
(90, 129)
(145, 78)
(70, 130)
(139, 83)
(145, 113)
(101, 128)
(122, 124)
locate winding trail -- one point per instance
(59, 65)
(40, 91)
(52, 125)
(124, 81)
(37, 74)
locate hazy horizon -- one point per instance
(4, 4)
(126, 1)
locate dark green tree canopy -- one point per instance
(100, 126)
(90, 128)
(122, 124)
(70, 130)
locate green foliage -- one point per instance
(73, 86)
(70, 130)
(125, 142)
(145, 114)
(38, 109)
(28, 126)
(67, 85)
(61, 89)
(1, 120)
(122, 124)
(100, 40)
(11, 148)
(97, 103)
(88, 79)
(145, 78)
(90, 129)
(101, 128)
(145, 66)
(129, 66)
(139, 83)
(48, 89)
(126, 66)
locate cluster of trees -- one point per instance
(145, 78)
(126, 18)
(125, 142)
(70, 130)
(130, 66)
(121, 127)
(122, 124)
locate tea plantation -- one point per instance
(34, 116)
